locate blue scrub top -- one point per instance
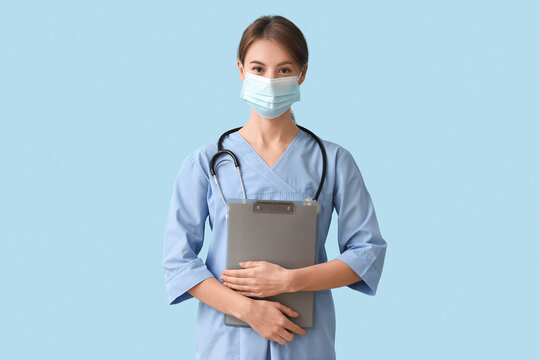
(295, 176)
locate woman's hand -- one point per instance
(258, 279)
(268, 319)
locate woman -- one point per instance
(279, 161)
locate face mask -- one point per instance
(270, 97)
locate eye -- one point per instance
(287, 70)
(256, 67)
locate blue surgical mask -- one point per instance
(270, 97)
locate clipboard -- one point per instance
(280, 232)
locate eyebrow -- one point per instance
(281, 63)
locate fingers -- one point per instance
(286, 310)
(274, 324)
(237, 286)
(294, 328)
(286, 334)
(242, 273)
(248, 264)
(237, 280)
(278, 339)
(250, 294)
(282, 335)
(288, 323)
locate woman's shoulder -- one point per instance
(334, 150)
(202, 154)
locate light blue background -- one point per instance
(100, 102)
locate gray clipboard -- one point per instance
(280, 232)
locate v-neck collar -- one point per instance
(283, 155)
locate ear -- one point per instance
(239, 64)
(301, 80)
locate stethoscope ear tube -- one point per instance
(213, 172)
(323, 151)
(237, 164)
(216, 155)
(225, 134)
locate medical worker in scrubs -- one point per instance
(278, 161)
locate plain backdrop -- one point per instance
(101, 101)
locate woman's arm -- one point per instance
(328, 275)
(221, 298)
(361, 245)
(265, 317)
(262, 278)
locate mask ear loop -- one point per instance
(213, 172)
(300, 74)
(243, 70)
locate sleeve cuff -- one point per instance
(179, 284)
(365, 267)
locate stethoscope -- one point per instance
(237, 164)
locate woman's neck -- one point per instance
(264, 132)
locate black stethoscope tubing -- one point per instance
(237, 164)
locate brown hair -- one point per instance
(279, 29)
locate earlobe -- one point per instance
(301, 80)
(303, 75)
(242, 72)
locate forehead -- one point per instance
(268, 52)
